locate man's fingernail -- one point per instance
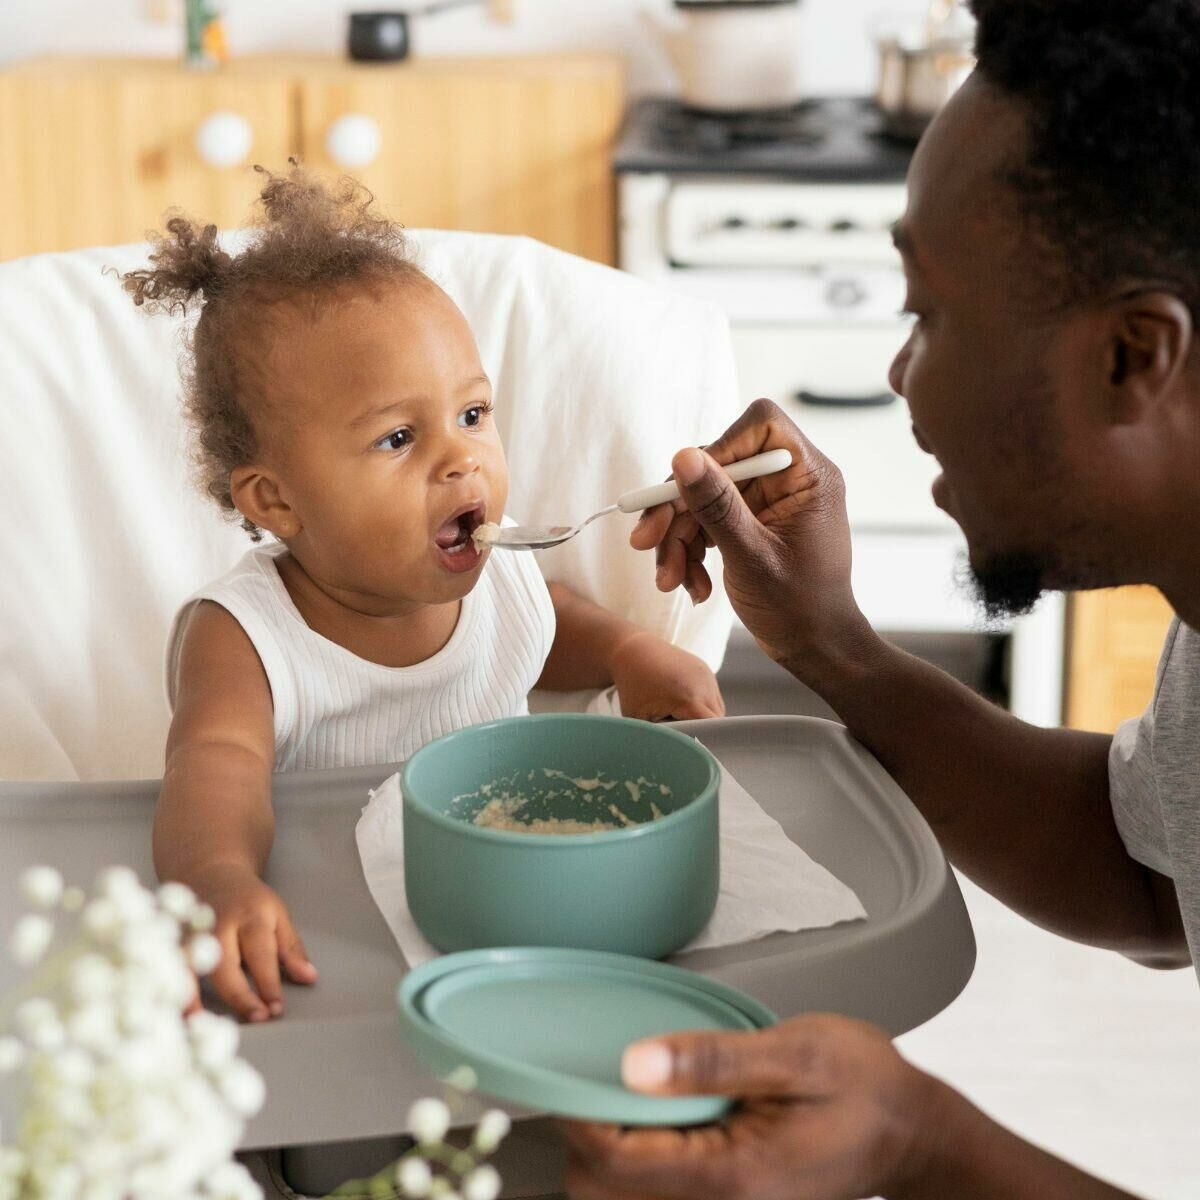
(276, 1007)
(689, 466)
(646, 1065)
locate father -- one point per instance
(1052, 251)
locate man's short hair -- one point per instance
(1110, 181)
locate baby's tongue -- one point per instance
(449, 535)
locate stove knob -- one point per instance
(733, 223)
(844, 225)
(788, 224)
(844, 293)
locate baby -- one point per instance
(339, 404)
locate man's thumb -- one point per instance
(713, 499)
(726, 1064)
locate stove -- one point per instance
(783, 219)
(831, 141)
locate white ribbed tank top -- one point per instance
(334, 709)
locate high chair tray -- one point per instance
(335, 1065)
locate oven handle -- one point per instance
(827, 400)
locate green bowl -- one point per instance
(644, 889)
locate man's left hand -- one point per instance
(828, 1111)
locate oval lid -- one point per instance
(545, 1028)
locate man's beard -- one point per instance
(1007, 585)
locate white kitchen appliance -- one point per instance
(732, 55)
(784, 220)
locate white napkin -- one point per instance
(768, 884)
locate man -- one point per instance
(1052, 251)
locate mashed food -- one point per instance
(522, 804)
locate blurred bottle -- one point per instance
(207, 45)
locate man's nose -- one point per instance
(898, 367)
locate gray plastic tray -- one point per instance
(335, 1065)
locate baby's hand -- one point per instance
(657, 681)
(254, 930)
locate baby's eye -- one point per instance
(475, 414)
(396, 440)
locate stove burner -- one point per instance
(687, 129)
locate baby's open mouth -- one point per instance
(454, 535)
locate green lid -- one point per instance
(546, 1028)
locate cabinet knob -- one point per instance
(353, 140)
(224, 139)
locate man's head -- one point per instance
(1052, 249)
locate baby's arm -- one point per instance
(214, 824)
(655, 680)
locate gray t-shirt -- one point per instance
(1154, 777)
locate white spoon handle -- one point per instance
(747, 468)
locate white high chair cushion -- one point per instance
(599, 379)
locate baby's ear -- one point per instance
(258, 497)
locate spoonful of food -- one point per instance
(541, 537)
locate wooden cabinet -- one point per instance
(95, 151)
(1115, 640)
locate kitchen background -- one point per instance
(785, 225)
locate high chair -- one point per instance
(598, 378)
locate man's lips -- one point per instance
(920, 440)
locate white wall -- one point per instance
(837, 50)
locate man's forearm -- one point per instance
(969, 1156)
(1024, 811)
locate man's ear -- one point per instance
(1149, 342)
(258, 496)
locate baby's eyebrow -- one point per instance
(370, 415)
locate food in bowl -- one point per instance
(515, 802)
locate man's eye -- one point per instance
(475, 414)
(396, 440)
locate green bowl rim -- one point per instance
(626, 833)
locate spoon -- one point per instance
(541, 537)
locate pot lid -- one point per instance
(546, 1028)
(709, 4)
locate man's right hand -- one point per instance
(784, 538)
(257, 939)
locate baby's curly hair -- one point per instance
(311, 239)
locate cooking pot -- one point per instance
(387, 36)
(920, 70)
(733, 55)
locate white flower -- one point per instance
(102, 920)
(492, 1129)
(204, 918)
(231, 1181)
(414, 1177)
(34, 1013)
(483, 1183)
(177, 899)
(12, 1054)
(462, 1079)
(429, 1121)
(73, 899)
(42, 886)
(30, 937)
(94, 1027)
(242, 1086)
(214, 1039)
(204, 952)
(117, 881)
(92, 977)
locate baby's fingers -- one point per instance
(260, 952)
(231, 984)
(293, 955)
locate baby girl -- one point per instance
(339, 405)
